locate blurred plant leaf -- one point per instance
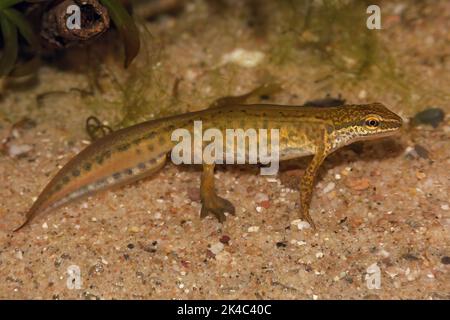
(8, 3)
(10, 48)
(127, 28)
(23, 26)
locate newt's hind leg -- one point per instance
(211, 202)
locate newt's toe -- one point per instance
(217, 206)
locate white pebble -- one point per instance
(19, 254)
(301, 224)
(445, 207)
(157, 215)
(384, 253)
(243, 58)
(319, 255)
(253, 229)
(337, 176)
(15, 150)
(216, 248)
(362, 94)
(45, 225)
(260, 197)
(258, 209)
(330, 186)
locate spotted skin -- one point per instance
(138, 151)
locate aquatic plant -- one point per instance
(13, 23)
(126, 27)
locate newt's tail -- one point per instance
(29, 215)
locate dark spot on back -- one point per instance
(123, 147)
(151, 147)
(87, 166)
(117, 175)
(129, 171)
(150, 135)
(76, 173)
(141, 165)
(65, 179)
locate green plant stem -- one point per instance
(22, 25)
(10, 49)
(127, 28)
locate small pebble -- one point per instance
(445, 207)
(253, 229)
(384, 253)
(281, 244)
(260, 197)
(19, 254)
(301, 224)
(445, 260)
(265, 204)
(45, 225)
(157, 215)
(358, 184)
(319, 255)
(225, 239)
(243, 58)
(216, 248)
(330, 186)
(362, 94)
(134, 229)
(16, 150)
(420, 175)
(431, 116)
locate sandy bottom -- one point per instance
(382, 209)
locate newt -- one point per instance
(135, 152)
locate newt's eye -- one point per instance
(372, 122)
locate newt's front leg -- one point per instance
(307, 185)
(211, 202)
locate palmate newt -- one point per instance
(132, 153)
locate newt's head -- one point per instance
(363, 122)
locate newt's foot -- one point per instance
(216, 206)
